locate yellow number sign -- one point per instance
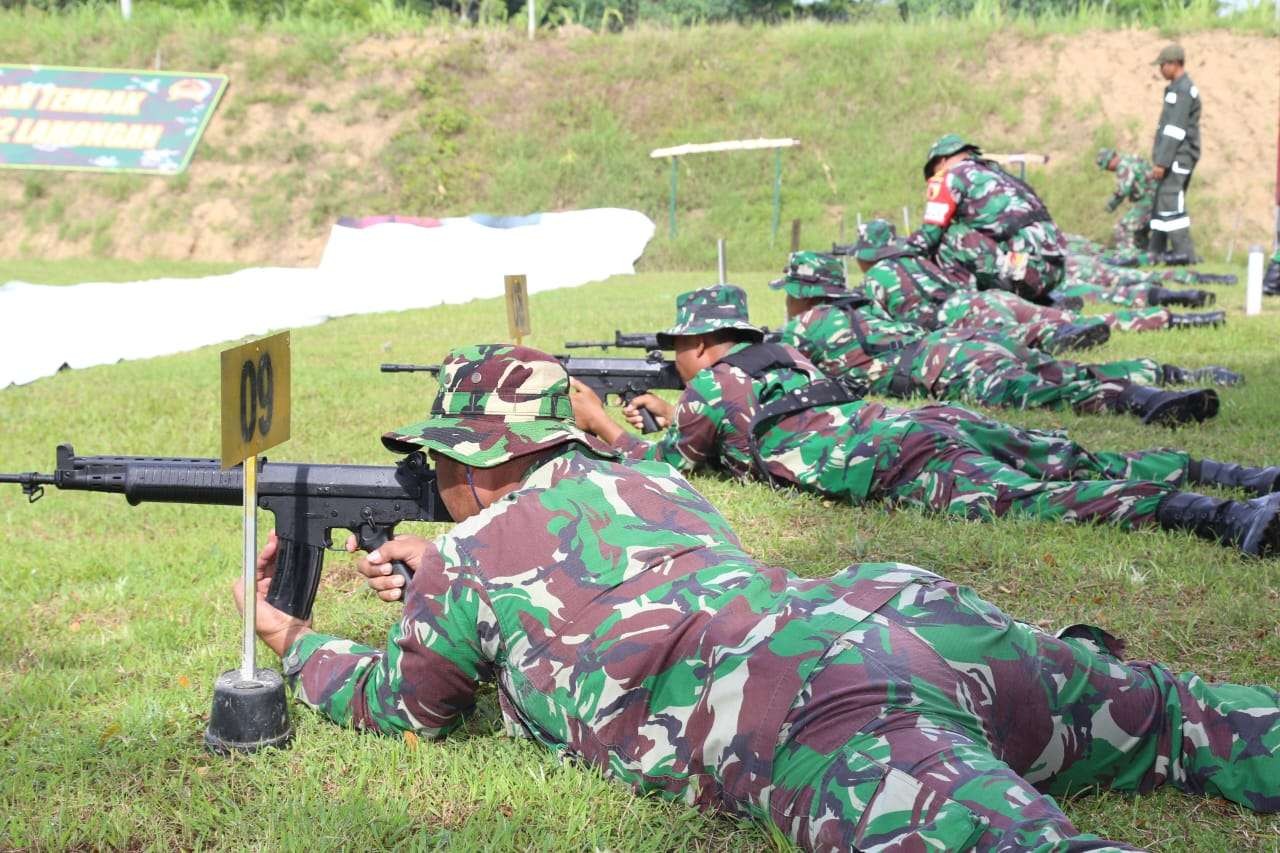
(255, 398)
(517, 306)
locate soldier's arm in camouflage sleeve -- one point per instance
(1124, 185)
(1173, 126)
(426, 677)
(691, 438)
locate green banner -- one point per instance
(103, 120)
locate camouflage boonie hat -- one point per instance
(810, 274)
(496, 402)
(1104, 157)
(1171, 53)
(710, 309)
(951, 143)
(875, 239)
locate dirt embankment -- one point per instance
(1107, 78)
(291, 149)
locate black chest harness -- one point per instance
(757, 361)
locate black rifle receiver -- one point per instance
(308, 501)
(627, 378)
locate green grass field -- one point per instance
(114, 620)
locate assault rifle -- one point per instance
(627, 378)
(308, 501)
(645, 340)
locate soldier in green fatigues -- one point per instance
(626, 628)
(1175, 152)
(1136, 183)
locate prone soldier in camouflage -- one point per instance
(1175, 152)
(910, 287)
(848, 337)
(1136, 183)
(1013, 243)
(764, 411)
(626, 627)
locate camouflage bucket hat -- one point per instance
(875, 240)
(810, 274)
(710, 309)
(948, 144)
(1104, 157)
(496, 402)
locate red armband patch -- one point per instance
(939, 204)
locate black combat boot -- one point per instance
(1252, 526)
(1271, 280)
(1066, 303)
(1119, 261)
(1260, 481)
(1215, 278)
(1171, 374)
(1192, 321)
(1166, 408)
(1157, 295)
(1076, 336)
(1177, 259)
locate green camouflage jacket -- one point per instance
(862, 345)
(910, 288)
(624, 627)
(1135, 180)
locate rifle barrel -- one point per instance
(410, 368)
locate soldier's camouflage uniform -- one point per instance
(979, 217)
(866, 344)
(1136, 183)
(913, 288)
(626, 628)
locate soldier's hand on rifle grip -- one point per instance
(377, 564)
(660, 411)
(277, 629)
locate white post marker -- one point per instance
(518, 323)
(1253, 283)
(126, 9)
(720, 262)
(532, 19)
(906, 219)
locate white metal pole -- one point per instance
(720, 261)
(532, 19)
(1253, 282)
(906, 219)
(126, 9)
(248, 663)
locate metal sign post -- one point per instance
(249, 704)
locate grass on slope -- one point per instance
(114, 620)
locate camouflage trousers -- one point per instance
(1032, 325)
(963, 364)
(1017, 267)
(1091, 270)
(1132, 229)
(941, 723)
(1093, 294)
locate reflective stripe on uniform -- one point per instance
(1168, 225)
(1171, 97)
(1178, 169)
(1174, 131)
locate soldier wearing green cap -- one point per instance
(993, 225)
(764, 411)
(626, 628)
(1175, 152)
(1136, 183)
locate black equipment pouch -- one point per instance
(756, 361)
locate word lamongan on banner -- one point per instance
(103, 120)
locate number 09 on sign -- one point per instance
(255, 398)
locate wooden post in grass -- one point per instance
(795, 235)
(730, 145)
(518, 325)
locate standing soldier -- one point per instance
(1175, 153)
(1135, 182)
(763, 411)
(980, 217)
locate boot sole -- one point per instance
(1262, 539)
(1198, 405)
(1093, 336)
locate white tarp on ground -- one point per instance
(388, 266)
